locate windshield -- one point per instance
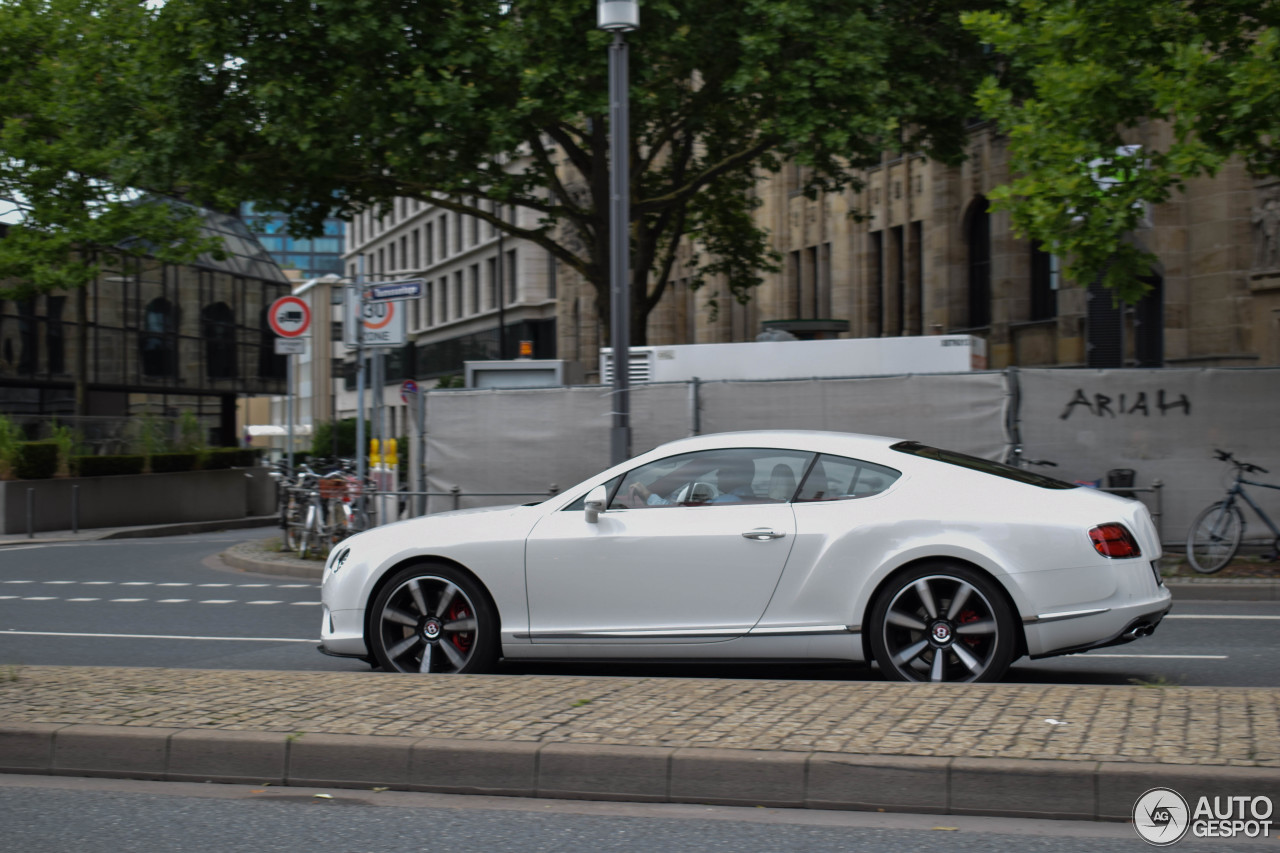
(986, 466)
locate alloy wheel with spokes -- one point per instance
(942, 623)
(433, 619)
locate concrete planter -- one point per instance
(136, 499)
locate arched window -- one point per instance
(270, 365)
(218, 328)
(158, 346)
(978, 241)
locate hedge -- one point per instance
(167, 463)
(37, 460)
(105, 466)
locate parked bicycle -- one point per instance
(1216, 533)
(317, 511)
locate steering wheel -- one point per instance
(694, 493)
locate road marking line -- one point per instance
(175, 584)
(160, 637)
(173, 601)
(58, 583)
(39, 598)
(19, 581)
(1165, 657)
(137, 583)
(127, 600)
(251, 585)
(264, 602)
(304, 603)
(296, 585)
(84, 599)
(1216, 616)
(21, 547)
(7, 597)
(98, 583)
(211, 585)
(217, 601)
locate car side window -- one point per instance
(837, 478)
(714, 477)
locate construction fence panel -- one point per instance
(965, 412)
(528, 440)
(1164, 424)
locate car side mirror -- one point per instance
(594, 503)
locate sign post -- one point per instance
(289, 317)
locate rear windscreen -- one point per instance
(986, 466)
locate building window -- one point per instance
(458, 307)
(1044, 284)
(218, 328)
(444, 299)
(896, 297)
(915, 314)
(55, 334)
(158, 342)
(430, 240)
(511, 276)
(444, 236)
(978, 241)
(475, 288)
(875, 291)
(417, 257)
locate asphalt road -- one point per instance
(53, 815)
(171, 602)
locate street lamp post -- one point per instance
(619, 17)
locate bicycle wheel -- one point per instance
(311, 539)
(293, 517)
(1214, 537)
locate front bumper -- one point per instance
(342, 633)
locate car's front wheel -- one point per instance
(942, 622)
(433, 618)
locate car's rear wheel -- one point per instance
(942, 622)
(433, 618)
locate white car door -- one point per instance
(665, 573)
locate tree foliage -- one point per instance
(1084, 77)
(71, 75)
(312, 105)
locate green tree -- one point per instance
(1085, 77)
(480, 105)
(72, 79)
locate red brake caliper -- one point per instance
(461, 641)
(967, 616)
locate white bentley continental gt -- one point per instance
(768, 545)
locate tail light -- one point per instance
(1115, 541)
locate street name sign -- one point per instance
(393, 291)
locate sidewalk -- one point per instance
(1061, 751)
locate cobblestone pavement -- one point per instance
(1180, 725)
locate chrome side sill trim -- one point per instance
(701, 633)
(1058, 617)
(777, 630)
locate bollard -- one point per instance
(554, 490)
(456, 491)
(75, 509)
(31, 513)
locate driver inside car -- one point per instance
(734, 480)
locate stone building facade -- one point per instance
(916, 251)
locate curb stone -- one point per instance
(1029, 788)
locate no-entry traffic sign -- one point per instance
(289, 317)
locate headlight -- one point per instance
(338, 558)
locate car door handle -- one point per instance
(760, 534)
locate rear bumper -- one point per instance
(1135, 628)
